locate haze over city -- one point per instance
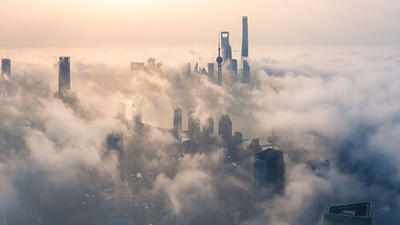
(199, 112)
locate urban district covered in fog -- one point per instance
(64, 162)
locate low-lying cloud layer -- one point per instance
(324, 104)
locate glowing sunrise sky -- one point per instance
(77, 23)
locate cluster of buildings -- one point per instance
(226, 61)
(232, 64)
(266, 165)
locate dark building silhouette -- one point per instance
(211, 71)
(226, 47)
(178, 119)
(269, 174)
(237, 138)
(245, 38)
(234, 70)
(115, 141)
(193, 126)
(246, 72)
(246, 75)
(225, 128)
(6, 68)
(349, 214)
(219, 62)
(255, 145)
(64, 77)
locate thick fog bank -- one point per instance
(335, 111)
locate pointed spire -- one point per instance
(219, 46)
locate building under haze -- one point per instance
(234, 70)
(211, 71)
(246, 74)
(349, 214)
(6, 68)
(225, 128)
(208, 130)
(237, 138)
(64, 77)
(194, 132)
(137, 117)
(269, 174)
(115, 142)
(177, 123)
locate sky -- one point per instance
(86, 23)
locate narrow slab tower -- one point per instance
(178, 119)
(245, 38)
(64, 76)
(211, 71)
(246, 75)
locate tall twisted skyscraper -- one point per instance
(64, 77)
(245, 52)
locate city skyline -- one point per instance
(100, 125)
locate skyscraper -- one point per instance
(196, 68)
(211, 71)
(237, 138)
(137, 116)
(64, 77)
(188, 71)
(193, 126)
(234, 70)
(178, 119)
(115, 141)
(269, 174)
(349, 214)
(246, 72)
(208, 130)
(245, 38)
(225, 128)
(219, 61)
(226, 47)
(6, 68)
(245, 52)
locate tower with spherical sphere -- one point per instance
(219, 61)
